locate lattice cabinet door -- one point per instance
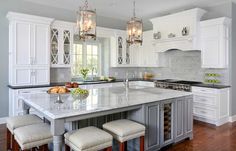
(66, 46)
(54, 46)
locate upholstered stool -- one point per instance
(31, 136)
(19, 121)
(88, 139)
(124, 130)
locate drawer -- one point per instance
(204, 90)
(207, 100)
(203, 112)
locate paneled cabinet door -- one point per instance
(22, 76)
(21, 43)
(153, 126)
(180, 119)
(41, 76)
(41, 45)
(188, 116)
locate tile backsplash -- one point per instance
(182, 65)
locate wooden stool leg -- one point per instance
(67, 148)
(15, 145)
(122, 146)
(108, 149)
(126, 146)
(9, 140)
(43, 148)
(142, 143)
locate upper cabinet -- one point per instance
(29, 44)
(215, 40)
(61, 43)
(121, 54)
(148, 57)
(177, 31)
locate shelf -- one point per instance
(182, 38)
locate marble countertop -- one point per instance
(101, 99)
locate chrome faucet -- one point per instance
(126, 83)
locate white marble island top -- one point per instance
(102, 99)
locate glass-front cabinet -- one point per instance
(61, 44)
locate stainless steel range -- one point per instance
(179, 85)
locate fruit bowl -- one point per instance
(80, 96)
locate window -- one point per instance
(86, 55)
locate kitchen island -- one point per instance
(167, 114)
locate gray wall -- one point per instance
(233, 61)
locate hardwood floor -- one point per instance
(206, 138)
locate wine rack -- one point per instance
(167, 121)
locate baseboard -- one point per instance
(232, 118)
(3, 120)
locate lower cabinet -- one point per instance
(153, 126)
(183, 118)
(167, 122)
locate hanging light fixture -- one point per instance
(86, 22)
(134, 30)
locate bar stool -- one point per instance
(124, 130)
(88, 139)
(32, 136)
(19, 121)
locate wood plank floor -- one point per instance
(206, 138)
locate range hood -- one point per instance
(170, 30)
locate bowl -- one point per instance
(80, 96)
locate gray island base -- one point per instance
(167, 114)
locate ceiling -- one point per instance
(122, 9)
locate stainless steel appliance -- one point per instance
(179, 85)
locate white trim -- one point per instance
(232, 118)
(3, 120)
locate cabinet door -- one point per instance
(188, 116)
(67, 46)
(180, 119)
(41, 76)
(22, 76)
(41, 45)
(153, 127)
(54, 46)
(22, 45)
(167, 122)
(210, 53)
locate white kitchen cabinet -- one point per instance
(15, 104)
(121, 54)
(211, 105)
(29, 42)
(215, 40)
(148, 57)
(61, 43)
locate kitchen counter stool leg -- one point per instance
(142, 143)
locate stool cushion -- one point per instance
(33, 135)
(88, 139)
(22, 120)
(123, 130)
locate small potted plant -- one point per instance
(84, 73)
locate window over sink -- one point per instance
(92, 55)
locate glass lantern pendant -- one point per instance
(86, 23)
(134, 30)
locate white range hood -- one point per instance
(174, 24)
